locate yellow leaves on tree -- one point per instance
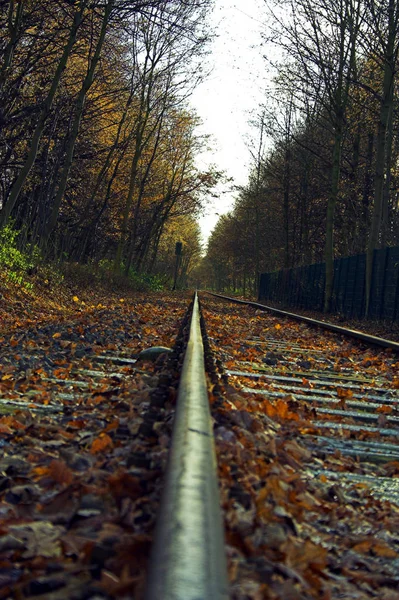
(103, 442)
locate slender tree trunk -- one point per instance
(14, 23)
(286, 204)
(32, 153)
(106, 165)
(367, 189)
(381, 151)
(332, 200)
(87, 83)
(129, 201)
(133, 237)
(386, 203)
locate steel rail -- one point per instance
(188, 558)
(364, 337)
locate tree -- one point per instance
(321, 41)
(383, 18)
(45, 111)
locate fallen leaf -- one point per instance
(103, 442)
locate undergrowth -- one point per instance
(17, 265)
(25, 268)
(102, 274)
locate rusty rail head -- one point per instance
(188, 559)
(359, 335)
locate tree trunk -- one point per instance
(32, 153)
(332, 200)
(14, 24)
(386, 203)
(87, 83)
(381, 149)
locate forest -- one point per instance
(324, 177)
(98, 140)
(97, 137)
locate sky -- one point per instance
(230, 97)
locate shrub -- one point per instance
(16, 263)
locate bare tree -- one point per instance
(320, 40)
(383, 22)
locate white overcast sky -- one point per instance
(231, 95)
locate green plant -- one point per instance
(15, 262)
(144, 281)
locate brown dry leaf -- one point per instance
(305, 555)
(60, 472)
(77, 424)
(5, 429)
(40, 538)
(103, 442)
(124, 485)
(307, 383)
(363, 547)
(344, 393)
(384, 409)
(12, 422)
(297, 451)
(38, 472)
(382, 549)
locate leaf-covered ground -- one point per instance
(293, 533)
(384, 328)
(83, 438)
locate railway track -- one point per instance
(313, 485)
(85, 425)
(305, 422)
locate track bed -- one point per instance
(100, 448)
(84, 436)
(307, 440)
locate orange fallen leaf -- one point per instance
(40, 471)
(12, 422)
(384, 409)
(103, 442)
(383, 550)
(5, 429)
(60, 472)
(363, 547)
(344, 393)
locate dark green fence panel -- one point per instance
(303, 287)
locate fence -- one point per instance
(303, 287)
